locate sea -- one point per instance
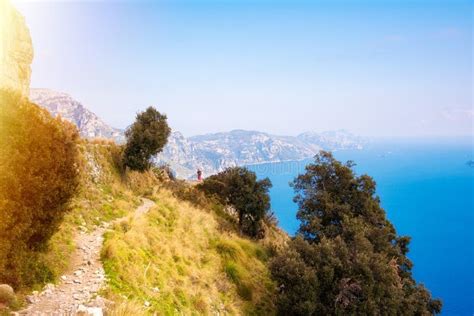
(427, 190)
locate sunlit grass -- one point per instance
(103, 196)
(175, 259)
(178, 261)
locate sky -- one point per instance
(376, 68)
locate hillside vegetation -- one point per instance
(177, 259)
(180, 257)
(212, 248)
(38, 176)
(103, 195)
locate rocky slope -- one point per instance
(211, 152)
(77, 292)
(89, 124)
(16, 50)
(214, 152)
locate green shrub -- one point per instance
(240, 188)
(7, 295)
(145, 138)
(38, 176)
(164, 172)
(183, 191)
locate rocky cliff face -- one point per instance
(16, 50)
(214, 152)
(88, 124)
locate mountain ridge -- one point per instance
(87, 122)
(216, 151)
(212, 152)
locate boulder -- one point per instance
(89, 311)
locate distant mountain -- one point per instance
(215, 152)
(211, 152)
(89, 124)
(332, 140)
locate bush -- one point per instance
(141, 183)
(7, 295)
(347, 258)
(165, 173)
(38, 176)
(145, 138)
(239, 187)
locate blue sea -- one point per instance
(427, 189)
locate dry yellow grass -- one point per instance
(127, 308)
(176, 260)
(104, 194)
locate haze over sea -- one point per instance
(427, 189)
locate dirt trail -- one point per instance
(77, 290)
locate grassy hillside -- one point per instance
(178, 258)
(104, 194)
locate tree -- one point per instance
(240, 188)
(347, 257)
(145, 138)
(38, 176)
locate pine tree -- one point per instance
(347, 258)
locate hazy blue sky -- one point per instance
(386, 68)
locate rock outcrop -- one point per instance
(88, 124)
(16, 50)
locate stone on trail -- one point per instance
(31, 299)
(89, 311)
(49, 286)
(77, 297)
